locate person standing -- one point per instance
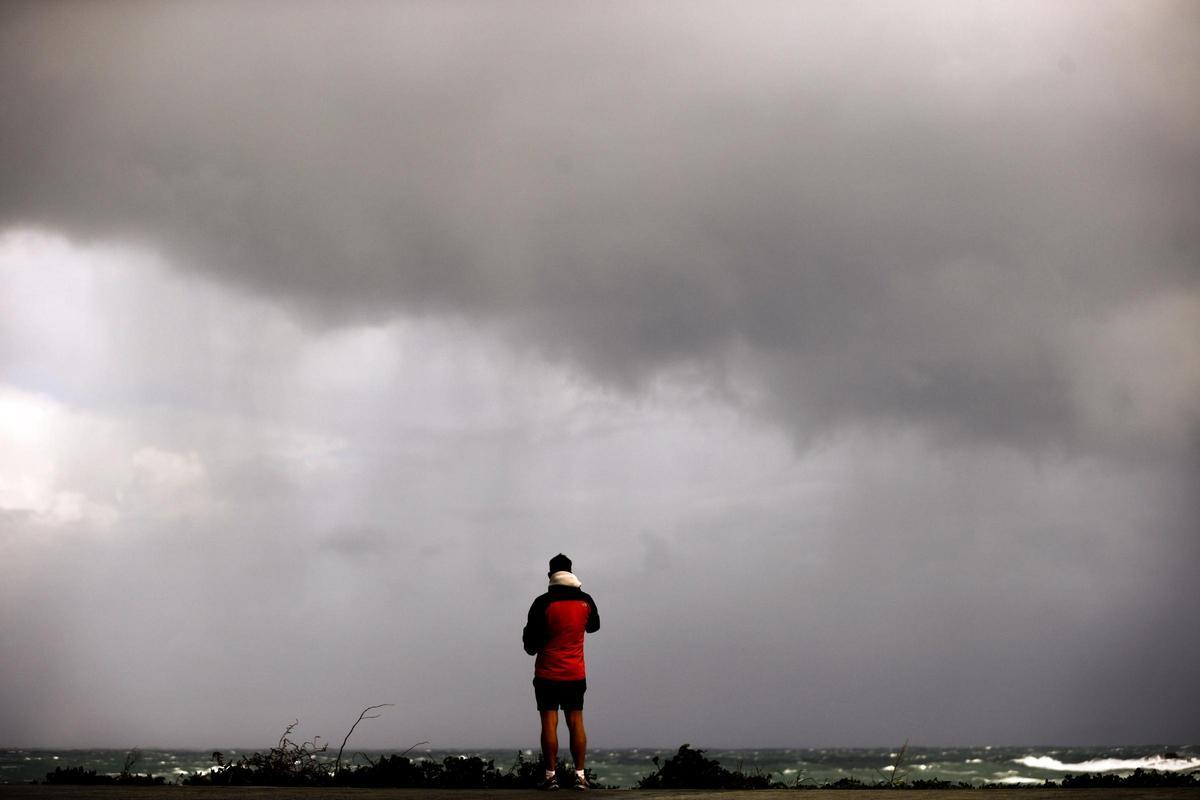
(554, 633)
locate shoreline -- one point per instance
(922, 770)
(45, 792)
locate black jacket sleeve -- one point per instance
(593, 623)
(534, 635)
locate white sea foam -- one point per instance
(1013, 780)
(200, 771)
(1111, 764)
(973, 761)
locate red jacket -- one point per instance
(554, 632)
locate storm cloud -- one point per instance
(830, 333)
(919, 216)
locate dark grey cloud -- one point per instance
(850, 347)
(898, 216)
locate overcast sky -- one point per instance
(851, 350)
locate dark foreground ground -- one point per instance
(18, 792)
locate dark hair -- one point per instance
(560, 563)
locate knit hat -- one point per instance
(560, 563)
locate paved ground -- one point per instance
(19, 792)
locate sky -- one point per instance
(851, 350)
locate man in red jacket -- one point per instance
(554, 633)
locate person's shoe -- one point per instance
(581, 783)
(548, 785)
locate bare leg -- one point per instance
(578, 736)
(550, 738)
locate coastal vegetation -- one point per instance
(689, 769)
(79, 776)
(296, 763)
(292, 764)
(303, 763)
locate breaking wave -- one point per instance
(1016, 780)
(1163, 763)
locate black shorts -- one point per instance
(552, 694)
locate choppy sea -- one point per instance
(623, 767)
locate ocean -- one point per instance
(622, 767)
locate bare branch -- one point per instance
(337, 764)
(289, 729)
(409, 750)
(896, 776)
